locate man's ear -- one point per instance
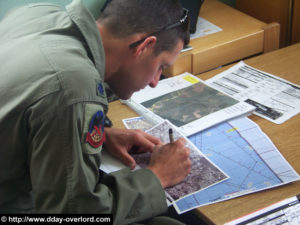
(147, 45)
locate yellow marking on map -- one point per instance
(250, 148)
(267, 183)
(191, 79)
(250, 184)
(231, 130)
(208, 134)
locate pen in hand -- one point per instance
(171, 135)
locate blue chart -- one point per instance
(246, 154)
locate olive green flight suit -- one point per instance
(52, 97)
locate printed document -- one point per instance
(275, 99)
(204, 27)
(188, 103)
(285, 212)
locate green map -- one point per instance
(189, 104)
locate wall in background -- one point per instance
(93, 5)
(285, 12)
(231, 3)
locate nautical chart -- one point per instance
(246, 154)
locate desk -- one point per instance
(284, 63)
(241, 36)
(286, 137)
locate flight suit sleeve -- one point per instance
(111, 96)
(64, 159)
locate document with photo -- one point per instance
(188, 103)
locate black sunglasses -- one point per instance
(183, 21)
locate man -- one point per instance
(55, 65)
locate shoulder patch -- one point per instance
(95, 135)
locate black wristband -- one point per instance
(107, 122)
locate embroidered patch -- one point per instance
(100, 89)
(96, 136)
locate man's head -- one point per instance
(152, 32)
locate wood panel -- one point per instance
(183, 64)
(296, 22)
(272, 36)
(269, 11)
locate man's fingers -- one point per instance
(129, 161)
(181, 141)
(146, 142)
(152, 139)
(125, 158)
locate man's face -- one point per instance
(143, 71)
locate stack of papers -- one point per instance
(231, 156)
(243, 152)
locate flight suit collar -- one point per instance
(87, 26)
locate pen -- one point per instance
(171, 135)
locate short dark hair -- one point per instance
(126, 17)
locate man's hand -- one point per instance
(120, 141)
(171, 163)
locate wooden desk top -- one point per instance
(284, 63)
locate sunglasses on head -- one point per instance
(184, 21)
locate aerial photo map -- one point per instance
(189, 104)
(203, 172)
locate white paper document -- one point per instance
(204, 173)
(139, 123)
(285, 212)
(275, 99)
(204, 28)
(188, 103)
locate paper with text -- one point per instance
(275, 99)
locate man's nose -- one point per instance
(155, 80)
